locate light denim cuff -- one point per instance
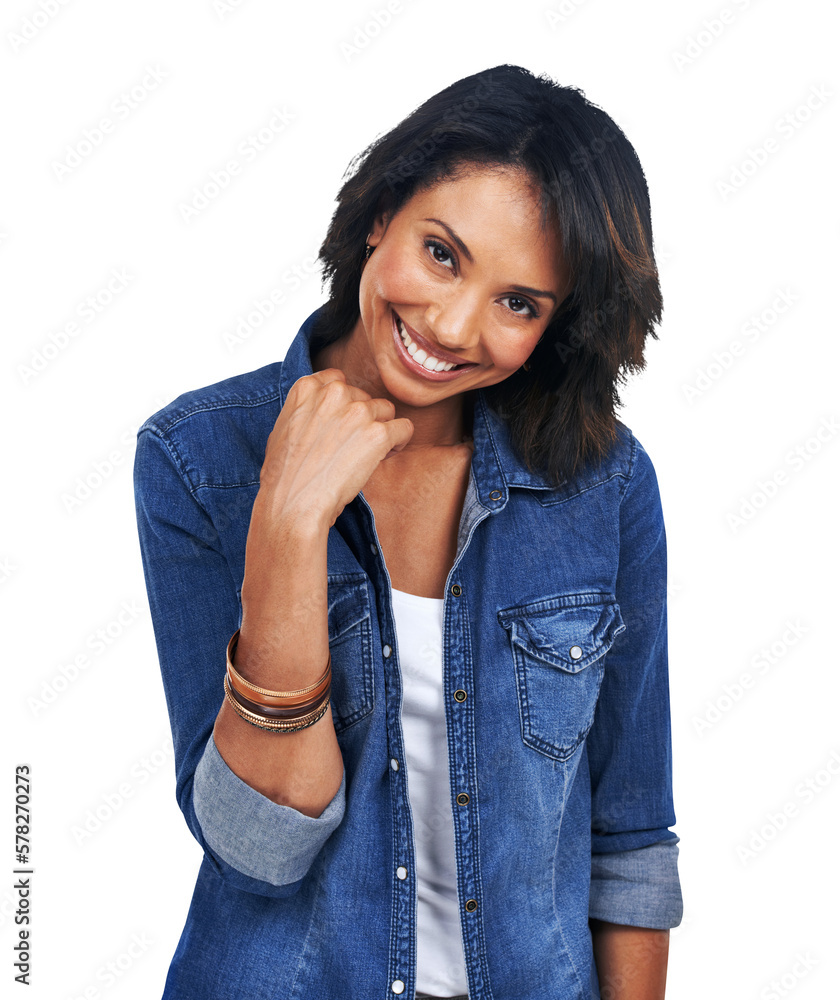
(639, 887)
(253, 834)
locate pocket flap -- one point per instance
(568, 632)
(348, 604)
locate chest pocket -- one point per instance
(558, 647)
(349, 627)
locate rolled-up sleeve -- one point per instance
(250, 832)
(639, 887)
(634, 876)
(253, 843)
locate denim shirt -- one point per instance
(555, 681)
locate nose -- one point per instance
(455, 321)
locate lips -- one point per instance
(430, 349)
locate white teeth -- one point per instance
(428, 361)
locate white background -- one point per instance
(694, 101)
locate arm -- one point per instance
(631, 961)
(234, 808)
(634, 883)
(283, 645)
(261, 804)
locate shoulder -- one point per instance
(217, 434)
(631, 455)
(624, 461)
(640, 487)
(222, 400)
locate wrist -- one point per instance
(293, 518)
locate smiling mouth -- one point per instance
(426, 358)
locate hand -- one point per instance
(328, 439)
(326, 443)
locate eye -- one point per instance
(532, 311)
(434, 246)
(438, 250)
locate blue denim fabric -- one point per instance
(554, 626)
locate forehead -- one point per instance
(486, 185)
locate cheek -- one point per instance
(512, 352)
(401, 278)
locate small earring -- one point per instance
(526, 367)
(368, 251)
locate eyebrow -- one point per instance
(456, 239)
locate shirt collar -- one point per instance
(496, 465)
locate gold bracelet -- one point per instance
(274, 719)
(272, 725)
(287, 729)
(269, 726)
(276, 698)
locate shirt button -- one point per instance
(462, 798)
(459, 695)
(373, 548)
(402, 873)
(456, 590)
(386, 650)
(395, 764)
(495, 495)
(397, 986)
(471, 905)
(576, 652)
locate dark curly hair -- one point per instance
(562, 412)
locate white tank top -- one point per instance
(440, 955)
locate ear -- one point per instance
(379, 227)
(382, 219)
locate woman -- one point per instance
(436, 759)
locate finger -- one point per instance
(400, 431)
(382, 409)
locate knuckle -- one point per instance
(383, 435)
(357, 409)
(334, 390)
(303, 384)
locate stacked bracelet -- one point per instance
(274, 726)
(276, 711)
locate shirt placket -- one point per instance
(460, 720)
(459, 701)
(401, 959)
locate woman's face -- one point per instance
(464, 272)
